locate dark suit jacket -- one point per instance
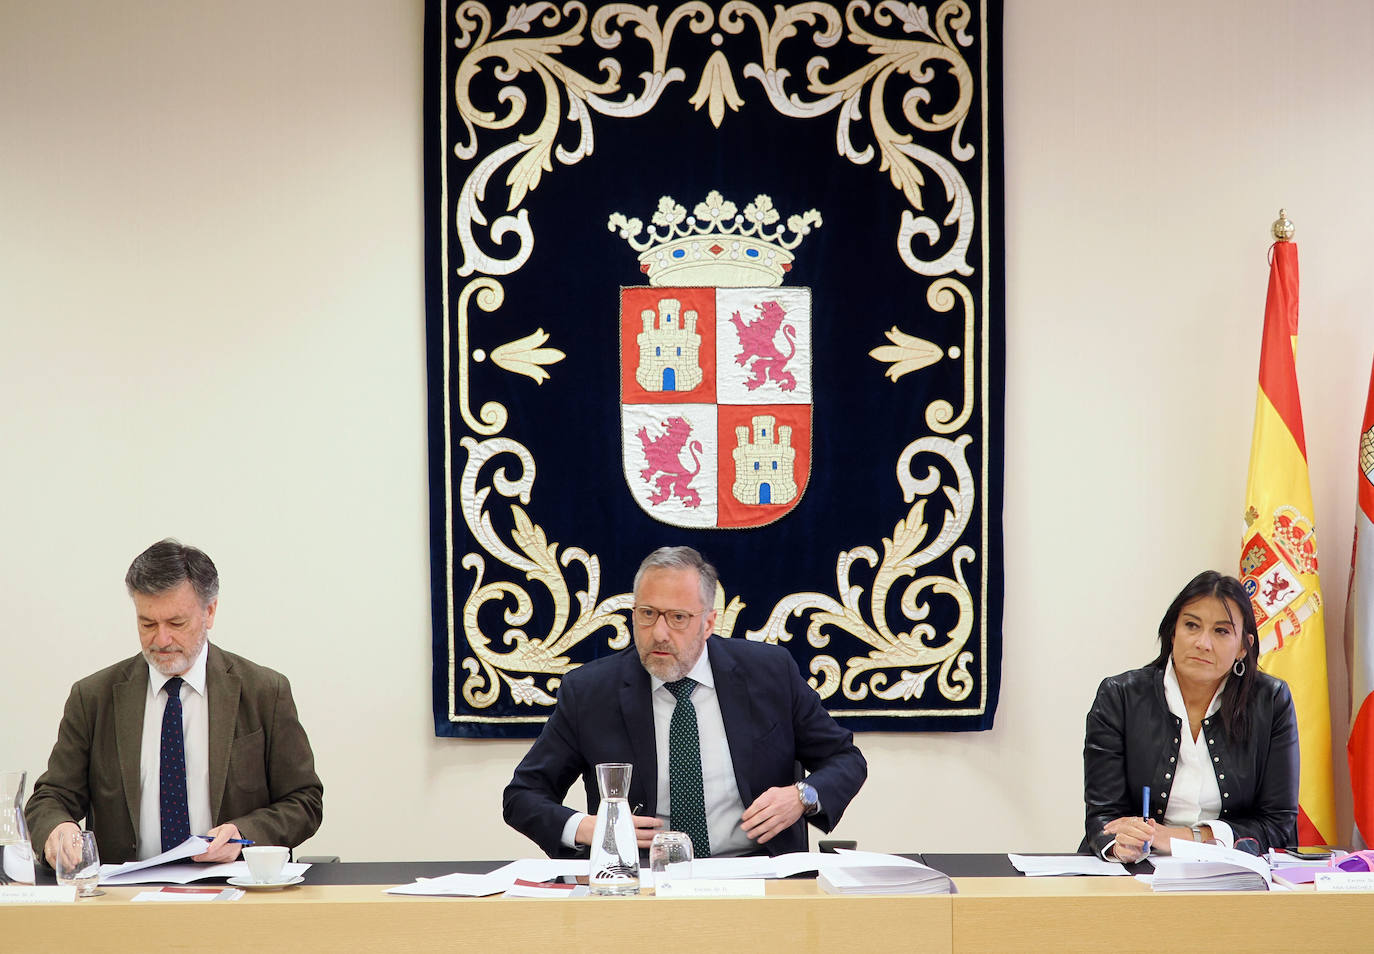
(262, 772)
(773, 720)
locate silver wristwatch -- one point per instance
(811, 802)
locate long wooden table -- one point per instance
(987, 914)
(1122, 914)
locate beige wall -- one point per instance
(211, 325)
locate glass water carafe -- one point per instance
(615, 856)
(16, 855)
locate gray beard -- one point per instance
(667, 671)
(671, 671)
(167, 665)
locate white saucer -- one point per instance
(250, 885)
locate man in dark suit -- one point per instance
(753, 717)
(230, 759)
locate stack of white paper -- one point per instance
(1194, 866)
(861, 872)
(460, 885)
(717, 869)
(191, 846)
(1038, 866)
(172, 867)
(793, 863)
(868, 872)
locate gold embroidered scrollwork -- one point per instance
(489, 295)
(535, 35)
(942, 296)
(899, 156)
(921, 650)
(903, 42)
(530, 552)
(525, 356)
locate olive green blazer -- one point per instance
(262, 772)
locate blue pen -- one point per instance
(1145, 814)
(230, 841)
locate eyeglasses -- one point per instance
(647, 616)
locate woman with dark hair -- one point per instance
(1214, 739)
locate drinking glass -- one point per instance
(670, 858)
(78, 863)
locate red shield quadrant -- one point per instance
(715, 402)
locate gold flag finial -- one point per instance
(1283, 227)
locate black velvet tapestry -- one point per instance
(726, 275)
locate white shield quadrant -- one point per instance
(670, 461)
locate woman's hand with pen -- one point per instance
(1133, 837)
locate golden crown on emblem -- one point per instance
(1295, 536)
(717, 245)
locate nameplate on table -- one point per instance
(1344, 880)
(711, 888)
(37, 894)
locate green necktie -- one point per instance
(684, 770)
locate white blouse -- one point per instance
(1194, 797)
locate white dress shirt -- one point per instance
(723, 804)
(195, 729)
(1195, 797)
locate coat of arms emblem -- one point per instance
(715, 365)
(1272, 566)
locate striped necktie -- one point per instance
(685, 796)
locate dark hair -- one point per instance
(1235, 698)
(682, 558)
(166, 564)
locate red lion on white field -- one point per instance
(758, 350)
(663, 455)
(1276, 587)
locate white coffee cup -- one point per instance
(265, 862)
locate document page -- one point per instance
(1038, 866)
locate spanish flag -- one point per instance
(1359, 634)
(1278, 561)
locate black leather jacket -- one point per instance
(1132, 740)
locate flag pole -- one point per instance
(1279, 565)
